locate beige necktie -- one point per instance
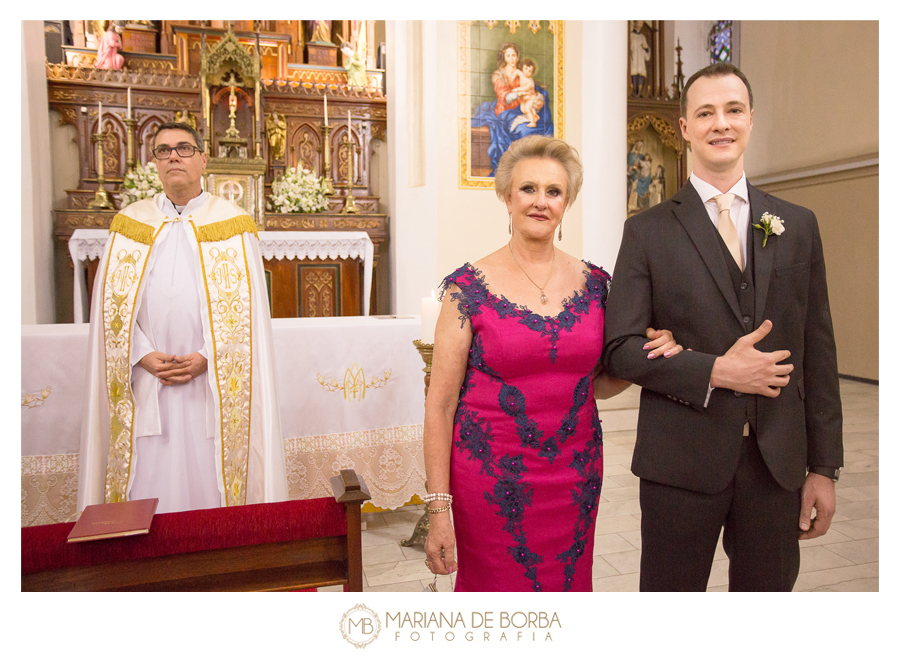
(727, 229)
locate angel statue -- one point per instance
(356, 61)
(108, 56)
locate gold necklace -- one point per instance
(541, 288)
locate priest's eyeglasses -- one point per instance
(164, 152)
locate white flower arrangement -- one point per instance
(297, 191)
(142, 183)
(771, 225)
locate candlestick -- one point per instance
(101, 198)
(431, 308)
(129, 148)
(350, 200)
(326, 159)
(326, 109)
(427, 354)
(129, 102)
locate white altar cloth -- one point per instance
(87, 244)
(351, 395)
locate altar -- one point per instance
(292, 247)
(351, 395)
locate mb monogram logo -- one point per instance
(360, 626)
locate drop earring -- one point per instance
(560, 232)
(510, 223)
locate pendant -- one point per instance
(543, 297)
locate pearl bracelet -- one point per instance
(431, 497)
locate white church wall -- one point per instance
(603, 106)
(412, 89)
(36, 214)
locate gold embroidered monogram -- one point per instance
(354, 385)
(226, 276)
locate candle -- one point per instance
(431, 308)
(326, 109)
(129, 102)
(348, 124)
(100, 121)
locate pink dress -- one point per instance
(526, 464)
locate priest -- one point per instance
(182, 401)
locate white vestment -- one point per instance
(184, 442)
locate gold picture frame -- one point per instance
(510, 84)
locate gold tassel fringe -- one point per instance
(132, 229)
(219, 231)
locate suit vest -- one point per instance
(746, 296)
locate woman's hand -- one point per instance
(661, 341)
(440, 545)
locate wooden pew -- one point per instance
(298, 544)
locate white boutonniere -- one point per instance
(771, 225)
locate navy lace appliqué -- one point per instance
(513, 496)
(512, 403)
(584, 496)
(474, 294)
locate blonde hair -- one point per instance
(538, 146)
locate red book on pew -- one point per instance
(109, 520)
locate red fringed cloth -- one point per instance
(45, 547)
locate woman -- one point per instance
(503, 117)
(512, 438)
(506, 78)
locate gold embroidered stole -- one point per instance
(129, 247)
(226, 277)
(227, 283)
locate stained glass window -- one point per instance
(720, 42)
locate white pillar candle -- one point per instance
(431, 308)
(100, 119)
(348, 124)
(326, 109)
(129, 102)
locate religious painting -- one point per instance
(653, 162)
(510, 86)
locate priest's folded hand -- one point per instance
(158, 364)
(184, 369)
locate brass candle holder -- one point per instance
(326, 158)
(426, 351)
(350, 202)
(130, 158)
(420, 532)
(101, 198)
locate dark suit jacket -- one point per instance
(671, 273)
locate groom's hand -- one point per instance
(745, 369)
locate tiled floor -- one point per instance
(845, 559)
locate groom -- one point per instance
(743, 431)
